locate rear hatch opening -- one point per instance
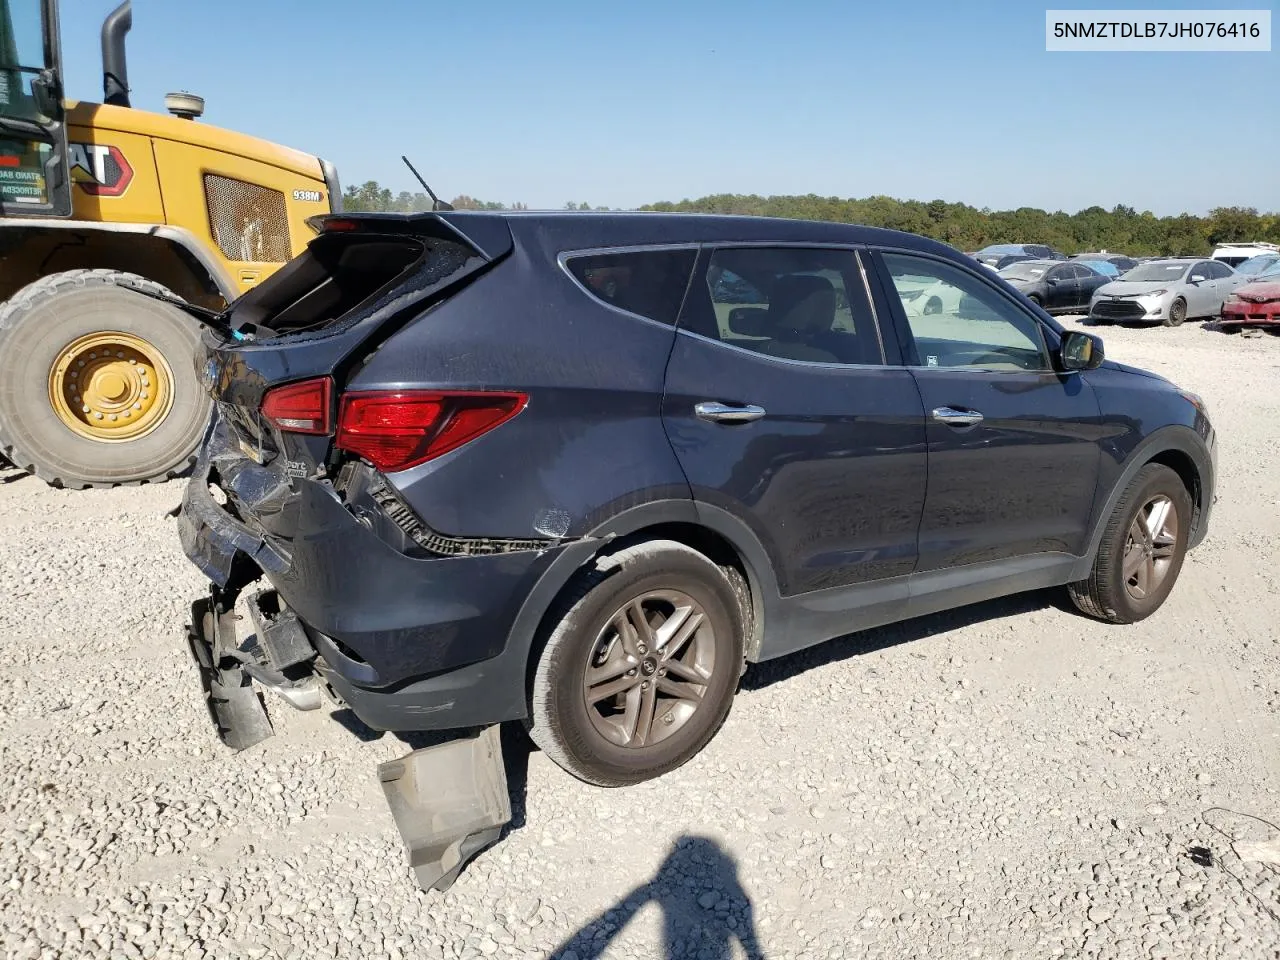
(299, 338)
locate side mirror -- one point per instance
(45, 94)
(1198, 279)
(1051, 280)
(1082, 351)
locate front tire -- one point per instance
(1142, 549)
(641, 665)
(97, 382)
(1177, 313)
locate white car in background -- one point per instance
(1234, 254)
(1166, 291)
(926, 296)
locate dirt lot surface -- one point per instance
(1007, 780)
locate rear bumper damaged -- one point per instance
(409, 642)
(449, 801)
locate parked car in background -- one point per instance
(1056, 286)
(1255, 303)
(999, 263)
(1234, 254)
(1039, 251)
(751, 481)
(1166, 291)
(1259, 265)
(1104, 267)
(1119, 260)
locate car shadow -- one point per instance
(704, 909)
(761, 675)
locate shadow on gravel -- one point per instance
(1218, 326)
(761, 675)
(704, 908)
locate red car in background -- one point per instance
(1255, 304)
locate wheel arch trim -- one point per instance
(178, 236)
(1175, 438)
(759, 572)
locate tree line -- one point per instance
(371, 197)
(1121, 228)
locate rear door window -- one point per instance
(650, 283)
(792, 303)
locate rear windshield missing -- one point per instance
(345, 277)
(650, 283)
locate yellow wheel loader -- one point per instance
(102, 208)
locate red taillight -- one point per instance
(302, 407)
(399, 430)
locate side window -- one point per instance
(651, 283)
(24, 162)
(789, 303)
(1219, 271)
(1199, 271)
(21, 57)
(956, 320)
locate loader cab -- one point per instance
(34, 176)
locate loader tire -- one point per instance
(97, 383)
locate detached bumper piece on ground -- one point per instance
(449, 801)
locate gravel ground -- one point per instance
(1006, 780)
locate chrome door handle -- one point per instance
(957, 418)
(723, 413)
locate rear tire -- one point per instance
(46, 319)
(663, 709)
(1177, 313)
(1133, 574)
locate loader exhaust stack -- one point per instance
(115, 69)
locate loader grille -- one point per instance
(249, 222)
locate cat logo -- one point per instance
(100, 170)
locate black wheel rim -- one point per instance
(649, 668)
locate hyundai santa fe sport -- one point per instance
(578, 470)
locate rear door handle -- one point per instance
(724, 413)
(957, 418)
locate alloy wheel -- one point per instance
(1150, 547)
(649, 668)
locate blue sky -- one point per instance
(621, 104)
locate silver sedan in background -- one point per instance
(1166, 291)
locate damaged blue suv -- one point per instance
(577, 470)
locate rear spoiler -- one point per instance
(488, 234)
